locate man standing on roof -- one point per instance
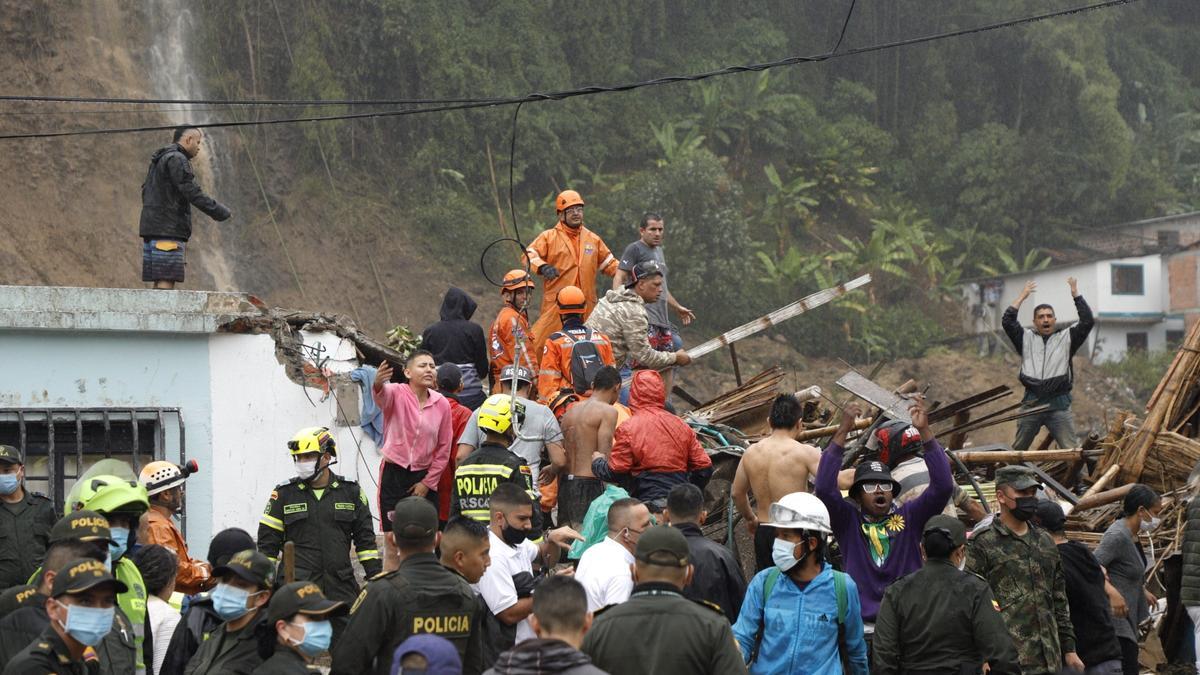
(510, 330)
(168, 195)
(164, 486)
(323, 513)
(1046, 366)
(25, 521)
(573, 355)
(622, 316)
(458, 340)
(567, 254)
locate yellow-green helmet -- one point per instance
(107, 494)
(312, 439)
(496, 413)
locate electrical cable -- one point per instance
(236, 102)
(468, 104)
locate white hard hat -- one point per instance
(799, 511)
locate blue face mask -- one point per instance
(108, 562)
(120, 542)
(88, 625)
(230, 602)
(9, 482)
(317, 636)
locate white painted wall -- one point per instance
(1153, 300)
(256, 410)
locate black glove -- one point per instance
(523, 582)
(549, 271)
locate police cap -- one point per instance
(84, 525)
(415, 519)
(303, 597)
(664, 546)
(83, 575)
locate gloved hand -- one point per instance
(550, 272)
(523, 582)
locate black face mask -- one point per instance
(512, 536)
(1025, 508)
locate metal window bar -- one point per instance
(132, 419)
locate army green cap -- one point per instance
(303, 597)
(83, 525)
(949, 526)
(17, 597)
(664, 546)
(1019, 477)
(83, 575)
(415, 519)
(10, 455)
(249, 565)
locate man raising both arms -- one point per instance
(587, 427)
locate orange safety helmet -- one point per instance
(516, 279)
(567, 199)
(571, 300)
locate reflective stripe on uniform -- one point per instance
(547, 371)
(363, 556)
(484, 470)
(482, 515)
(271, 522)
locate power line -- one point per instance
(467, 104)
(25, 98)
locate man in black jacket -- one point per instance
(718, 578)
(1046, 366)
(168, 194)
(456, 339)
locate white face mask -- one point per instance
(305, 470)
(1151, 524)
(783, 554)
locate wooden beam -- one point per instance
(1101, 498)
(1019, 456)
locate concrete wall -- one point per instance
(1152, 301)
(256, 410)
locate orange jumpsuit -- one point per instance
(579, 254)
(555, 372)
(192, 576)
(509, 327)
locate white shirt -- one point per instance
(163, 619)
(604, 572)
(496, 585)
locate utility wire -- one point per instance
(597, 89)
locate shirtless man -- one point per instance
(587, 428)
(773, 467)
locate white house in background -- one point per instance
(145, 374)
(1140, 280)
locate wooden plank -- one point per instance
(889, 403)
(1018, 456)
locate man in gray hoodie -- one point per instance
(560, 619)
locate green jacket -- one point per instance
(940, 619)
(47, 655)
(420, 597)
(628, 638)
(24, 537)
(323, 529)
(285, 662)
(1026, 577)
(225, 653)
(1189, 593)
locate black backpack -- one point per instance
(585, 360)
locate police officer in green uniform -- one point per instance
(299, 613)
(25, 521)
(658, 630)
(81, 607)
(941, 620)
(323, 514)
(420, 597)
(240, 598)
(1021, 563)
(492, 463)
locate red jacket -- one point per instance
(655, 447)
(459, 416)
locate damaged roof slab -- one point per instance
(119, 309)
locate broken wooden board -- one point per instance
(892, 404)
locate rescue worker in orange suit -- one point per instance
(567, 254)
(164, 486)
(511, 326)
(555, 382)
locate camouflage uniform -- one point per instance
(1026, 577)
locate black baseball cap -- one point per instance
(415, 519)
(17, 597)
(663, 546)
(523, 374)
(82, 575)
(1051, 515)
(10, 455)
(303, 597)
(644, 270)
(949, 526)
(449, 376)
(83, 525)
(249, 565)
(874, 472)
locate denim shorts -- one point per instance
(163, 260)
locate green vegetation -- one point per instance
(1140, 370)
(923, 165)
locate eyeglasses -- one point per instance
(573, 209)
(876, 487)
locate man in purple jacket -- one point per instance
(880, 541)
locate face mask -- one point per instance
(1026, 508)
(88, 625)
(230, 602)
(783, 555)
(305, 470)
(9, 482)
(108, 562)
(317, 636)
(1148, 525)
(962, 564)
(512, 536)
(120, 542)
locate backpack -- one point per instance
(839, 590)
(585, 360)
